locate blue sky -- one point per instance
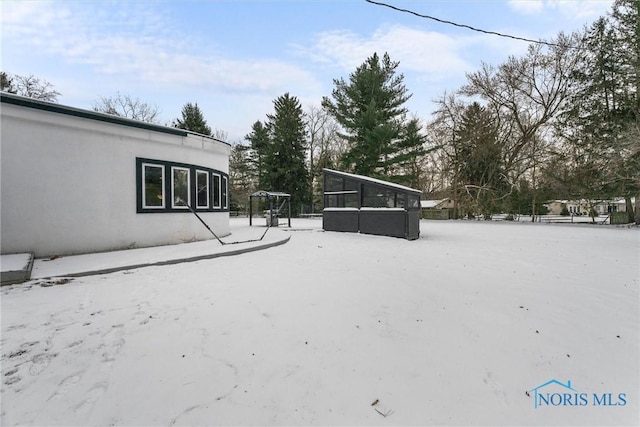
(235, 57)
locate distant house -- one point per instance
(437, 209)
(556, 207)
(614, 205)
(436, 204)
(77, 181)
(582, 207)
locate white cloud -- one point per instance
(527, 7)
(416, 50)
(573, 10)
(139, 45)
(580, 10)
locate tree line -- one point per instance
(559, 122)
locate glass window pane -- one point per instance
(216, 190)
(225, 199)
(153, 186)
(331, 201)
(377, 197)
(351, 200)
(333, 183)
(180, 187)
(202, 189)
(350, 185)
(400, 198)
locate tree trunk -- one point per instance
(637, 213)
(629, 209)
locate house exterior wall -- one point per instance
(68, 183)
(575, 208)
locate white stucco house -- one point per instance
(77, 181)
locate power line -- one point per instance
(443, 21)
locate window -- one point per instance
(225, 188)
(400, 200)
(341, 199)
(340, 192)
(163, 186)
(153, 186)
(216, 190)
(180, 188)
(378, 197)
(333, 183)
(202, 189)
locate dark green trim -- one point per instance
(21, 101)
(167, 165)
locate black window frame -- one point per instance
(167, 176)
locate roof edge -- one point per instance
(22, 101)
(373, 180)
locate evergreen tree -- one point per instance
(242, 177)
(480, 168)
(602, 121)
(370, 110)
(6, 82)
(259, 140)
(408, 151)
(192, 120)
(285, 157)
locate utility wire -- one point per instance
(443, 21)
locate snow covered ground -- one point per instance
(457, 328)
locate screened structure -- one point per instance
(360, 204)
(277, 205)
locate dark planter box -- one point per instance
(379, 221)
(384, 222)
(340, 220)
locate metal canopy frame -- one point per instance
(272, 196)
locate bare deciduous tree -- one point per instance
(124, 105)
(30, 86)
(527, 93)
(325, 145)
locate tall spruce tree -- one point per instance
(259, 140)
(285, 168)
(370, 109)
(192, 120)
(242, 177)
(408, 151)
(480, 166)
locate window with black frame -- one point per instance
(170, 186)
(374, 196)
(152, 186)
(202, 189)
(340, 192)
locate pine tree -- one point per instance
(405, 161)
(259, 140)
(242, 177)
(285, 157)
(480, 162)
(370, 110)
(192, 120)
(602, 123)
(6, 82)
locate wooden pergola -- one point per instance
(277, 202)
